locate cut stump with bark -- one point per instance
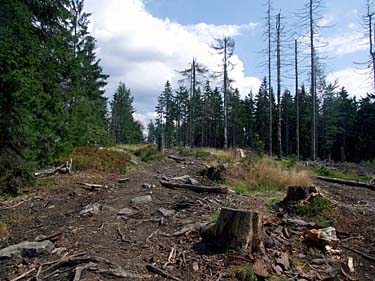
(300, 193)
(236, 229)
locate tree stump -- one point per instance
(299, 193)
(236, 229)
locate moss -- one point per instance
(214, 218)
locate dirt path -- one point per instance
(354, 217)
(148, 237)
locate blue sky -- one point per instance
(144, 42)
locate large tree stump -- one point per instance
(299, 193)
(236, 229)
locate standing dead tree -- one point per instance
(278, 55)
(297, 96)
(309, 17)
(192, 74)
(225, 47)
(369, 26)
(269, 35)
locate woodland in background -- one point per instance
(52, 88)
(346, 127)
(52, 98)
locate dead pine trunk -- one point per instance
(236, 229)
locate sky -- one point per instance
(144, 43)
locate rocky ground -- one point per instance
(139, 230)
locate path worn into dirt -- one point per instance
(149, 237)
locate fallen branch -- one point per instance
(49, 237)
(79, 269)
(122, 236)
(370, 258)
(177, 159)
(162, 273)
(346, 182)
(197, 188)
(66, 168)
(23, 275)
(90, 186)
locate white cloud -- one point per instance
(144, 51)
(357, 82)
(346, 43)
(326, 20)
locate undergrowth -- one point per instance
(149, 154)
(245, 274)
(264, 173)
(314, 208)
(326, 172)
(89, 157)
(8, 222)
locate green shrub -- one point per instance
(89, 157)
(315, 207)
(149, 154)
(246, 274)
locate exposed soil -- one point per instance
(147, 237)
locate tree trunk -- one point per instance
(278, 30)
(236, 229)
(269, 76)
(313, 90)
(297, 95)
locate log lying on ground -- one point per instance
(197, 188)
(236, 229)
(177, 159)
(66, 168)
(346, 182)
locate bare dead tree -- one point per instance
(193, 74)
(225, 47)
(369, 26)
(269, 36)
(278, 59)
(297, 96)
(310, 17)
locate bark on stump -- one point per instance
(299, 193)
(236, 229)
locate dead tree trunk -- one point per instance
(63, 169)
(297, 96)
(236, 229)
(278, 30)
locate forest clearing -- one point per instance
(187, 140)
(100, 232)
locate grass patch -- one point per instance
(94, 158)
(266, 174)
(245, 274)
(11, 221)
(326, 172)
(315, 208)
(149, 154)
(197, 153)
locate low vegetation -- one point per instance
(264, 173)
(314, 208)
(14, 220)
(96, 158)
(245, 274)
(149, 154)
(331, 173)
